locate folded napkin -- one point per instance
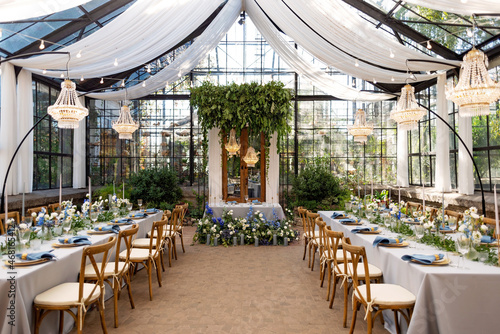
(78, 240)
(425, 259)
(385, 240)
(153, 210)
(337, 215)
(348, 221)
(109, 228)
(138, 215)
(364, 229)
(486, 239)
(446, 228)
(255, 201)
(127, 221)
(231, 202)
(36, 256)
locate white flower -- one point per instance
(474, 215)
(253, 230)
(100, 197)
(461, 228)
(428, 225)
(23, 226)
(473, 209)
(476, 235)
(484, 228)
(231, 233)
(53, 215)
(47, 217)
(261, 215)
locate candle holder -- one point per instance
(275, 240)
(208, 239)
(256, 241)
(216, 240)
(235, 241)
(242, 239)
(285, 241)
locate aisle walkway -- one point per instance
(242, 289)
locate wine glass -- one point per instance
(66, 225)
(129, 207)
(419, 231)
(28, 221)
(115, 211)
(463, 247)
(139, 203)
(94, 215)
(24, 236)
(452, 223)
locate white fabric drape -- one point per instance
(465, 167)
(443, 180)
(214, 167)
(343, 27)
(15, 10)
(25, 117)
(273, 177)
(143, 32)
(8, 127)
(183, 64)
(79, 153)
(402, 152)
(304, 68)
(468, 7)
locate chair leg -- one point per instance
(346, 301)
(170, 253)
(61, 322)
(149, 265)
(182, 241)
(334, 289)
(158, 271)
(161, 260)
(354, 314)
(129, 288)
(174, 247)
(101, 313)
(329, 282)
(396, 322)
(314, 258)
(322, 273)
(37, 320)
(309, 261)
(115, 300)
(369, 323)
(305, 249)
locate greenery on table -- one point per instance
(316, 188)
(107, 190)
(105, 216)
(438, 241)
(155, 186)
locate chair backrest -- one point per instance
(10, 214)
(166, 214)
(175, 219)
(322, 235)
(311, 225)
(156, 244)
(56, 207)
(333, 239)
(184, 208)
(90, 253)
(459, 216)
(412, 207)
(491, 221)
(302, 213)
(36, 210)
(432, 212)
(357, 255)
(126, 237)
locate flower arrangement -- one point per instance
(472, 226)
(254, 226)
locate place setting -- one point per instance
(389, 242)
(28, 259)
(427, 259)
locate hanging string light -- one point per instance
(42, 45)
(360, 130)
(68, 111)
(125, 125)
(116, 62)
(251, 157)
(232, 146)
(407, 112)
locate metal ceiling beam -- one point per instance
(77, 25)
(401, 28)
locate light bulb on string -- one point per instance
(374, 81)
(469, 32)
(42, 45)
(144, 84)
(81, 78)
(102, 81)
(0, 33)
(391, 54)
(392, 78)
(116, 62)
(62, 75)
(356, 63)
(148, 68)
(79, 54)
(179, 74)
(166, 85)
(123, 83)
(429, 46)
(44, 71)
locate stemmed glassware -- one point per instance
(419, 231)
(115, 211)
(23, 233)
(463, 247)
(66, 225)
(246, 198)
(139, 203)
(452, 223)
(94, 215)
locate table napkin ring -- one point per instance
(397, 241)
(65, 241)
(24, 256)
(436, 256)
(100, 228)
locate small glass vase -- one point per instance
(235, 240)
(256, 241)
(242, 239)
(275, 240)
(285, 241)
(208, 239)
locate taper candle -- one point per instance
(90, 190)
(423, 198)
(496, 212)
(60, 189)
(24, 191)
(372, 189)
(123, 190)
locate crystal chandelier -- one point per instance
(360, 130)
(232, 146)
(125, 124)
(251, 157)
(475, 90)
(68, 110)
(407, 112)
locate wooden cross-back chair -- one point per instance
(313, 236)
(492, 222)
(180, 228)
(375, 297)
(302, 214)
(55, 207)
(10, 215)
(325, 260)
(432, 212)
(79, 295)
(457, 215)
(171, 233)
(36, 210)
(118, 270)
(412, 207)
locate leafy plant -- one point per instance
(107, 190)
(155, 185)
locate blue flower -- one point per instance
(209, 210)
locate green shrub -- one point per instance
(107, 190)
(316, 188)
(154, 186)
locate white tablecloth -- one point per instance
(449, 299)
(31, 281)
(241, 210)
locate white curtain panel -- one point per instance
(273, 177)
(304, 68)
(79, 152)
(465, 166)
(341, 26)
(188, 60)
(443, 180)
(214, 167)
(25, 123)
(466, 7)
(402, 154)
(15, 10)
(143, 32)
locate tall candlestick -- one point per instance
(114, 192)
(372, 188)
(365, 189)
(123, 190)
(24, 190)
(423, 198)
(60, 189)
(443, 210)
(390, 191)
(90, 190)
(496, 213)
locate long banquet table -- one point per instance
(449, 299)
(241, 209)
(31, 281)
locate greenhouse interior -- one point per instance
(359, 137)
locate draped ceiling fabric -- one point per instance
(456, 6)
(15, 10)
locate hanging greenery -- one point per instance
(262, 108)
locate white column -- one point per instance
(402, 152)
(25, 114)
(273, 177)
(79, 153)
(8, 127)
(442, 175)
(214, 166)
(465, 167)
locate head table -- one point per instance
(33, 280)
(241, 210)
(449, 299)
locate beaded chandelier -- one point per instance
(360, 130)
(125, 125)
(251, 157)
(68, 111)
(407, 112)
(232, 146)
(475, 90)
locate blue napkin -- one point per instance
(127, 221)
(111, 228)
(153, 210)
(231, 202)
(78, 240)
(425, 259)
(446, 228)
(348, 221)
(36, 256)
(256, 201)
(138, 215)
(385, 240)
(486, 239)
(337, 215)
(364, 229)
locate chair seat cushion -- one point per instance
(340, 256)
(66, 294)
(143, 243)
(374, 271)
(136, 254)
(388, 294)
(108, 271)
(165, 233)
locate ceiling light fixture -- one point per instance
(68, 111)
(360, 130)
(407, 112)
(251, 157)
(125, 125)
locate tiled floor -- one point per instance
(243, 289)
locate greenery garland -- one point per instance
(261, 108)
